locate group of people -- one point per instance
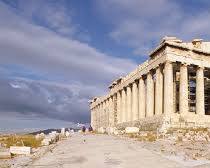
(90, 129)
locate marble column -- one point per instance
(114, 121)
(168, 88)
(91, 119)
(150, 96)
(200, 108)
(99, 115)
(94, 121)
(129, 103)
(96, 115)
(159, 92)
(135, 113)
(183, 90)
(119, 112)
(102, 114)
(111, 111)
(142, 109)
(105, 112)
(123, 105)
(98, 118)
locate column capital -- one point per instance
(200, 67)
(184, 64)
(149, 72)
(135, 81)
(114, 94)
(168, 62)
(129, 85)
(159, 66)
(141, 77)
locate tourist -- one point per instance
(83, 129)
(90, 129)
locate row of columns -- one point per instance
(146, 98)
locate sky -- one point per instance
(58, 54)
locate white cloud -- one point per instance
(36, 46)
(141, 23)
(53, 14)
(82, 71)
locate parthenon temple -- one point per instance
(169, 90)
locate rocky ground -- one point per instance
(22, 161)
(99, 150)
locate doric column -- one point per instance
(106, 117)
(200, 108)
(119, 112)
(114, 121)
(102, 114)
(159, 92)
(98, 112)
(142, 109)
(135, 113)
(111, 113)
(123, 105)
(168, 88)
(150, 96)
(129, 103)
(183, 90)
(99, 115)
(95, 119)
(96, 126)
(91, 118)
(175, 95)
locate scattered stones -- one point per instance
(131, 130)
(46, 142)
(102, 130)
(63, 131)
(40, 136)
(67, 133)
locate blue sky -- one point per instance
(57, 54)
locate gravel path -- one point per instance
(102, 151)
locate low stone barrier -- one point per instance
(20, 150)
(5, 155)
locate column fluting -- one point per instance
(129, 103)
(183, 90)
(200, 108)
(118, 107)
(123, 105)
(150, 96)
(159, 92)
(142, 95)
(135, 113)
(168, 88)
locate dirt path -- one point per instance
(102, 151)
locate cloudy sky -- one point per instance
(57, 54)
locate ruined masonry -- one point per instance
(169, 90)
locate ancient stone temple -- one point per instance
(169, 90)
